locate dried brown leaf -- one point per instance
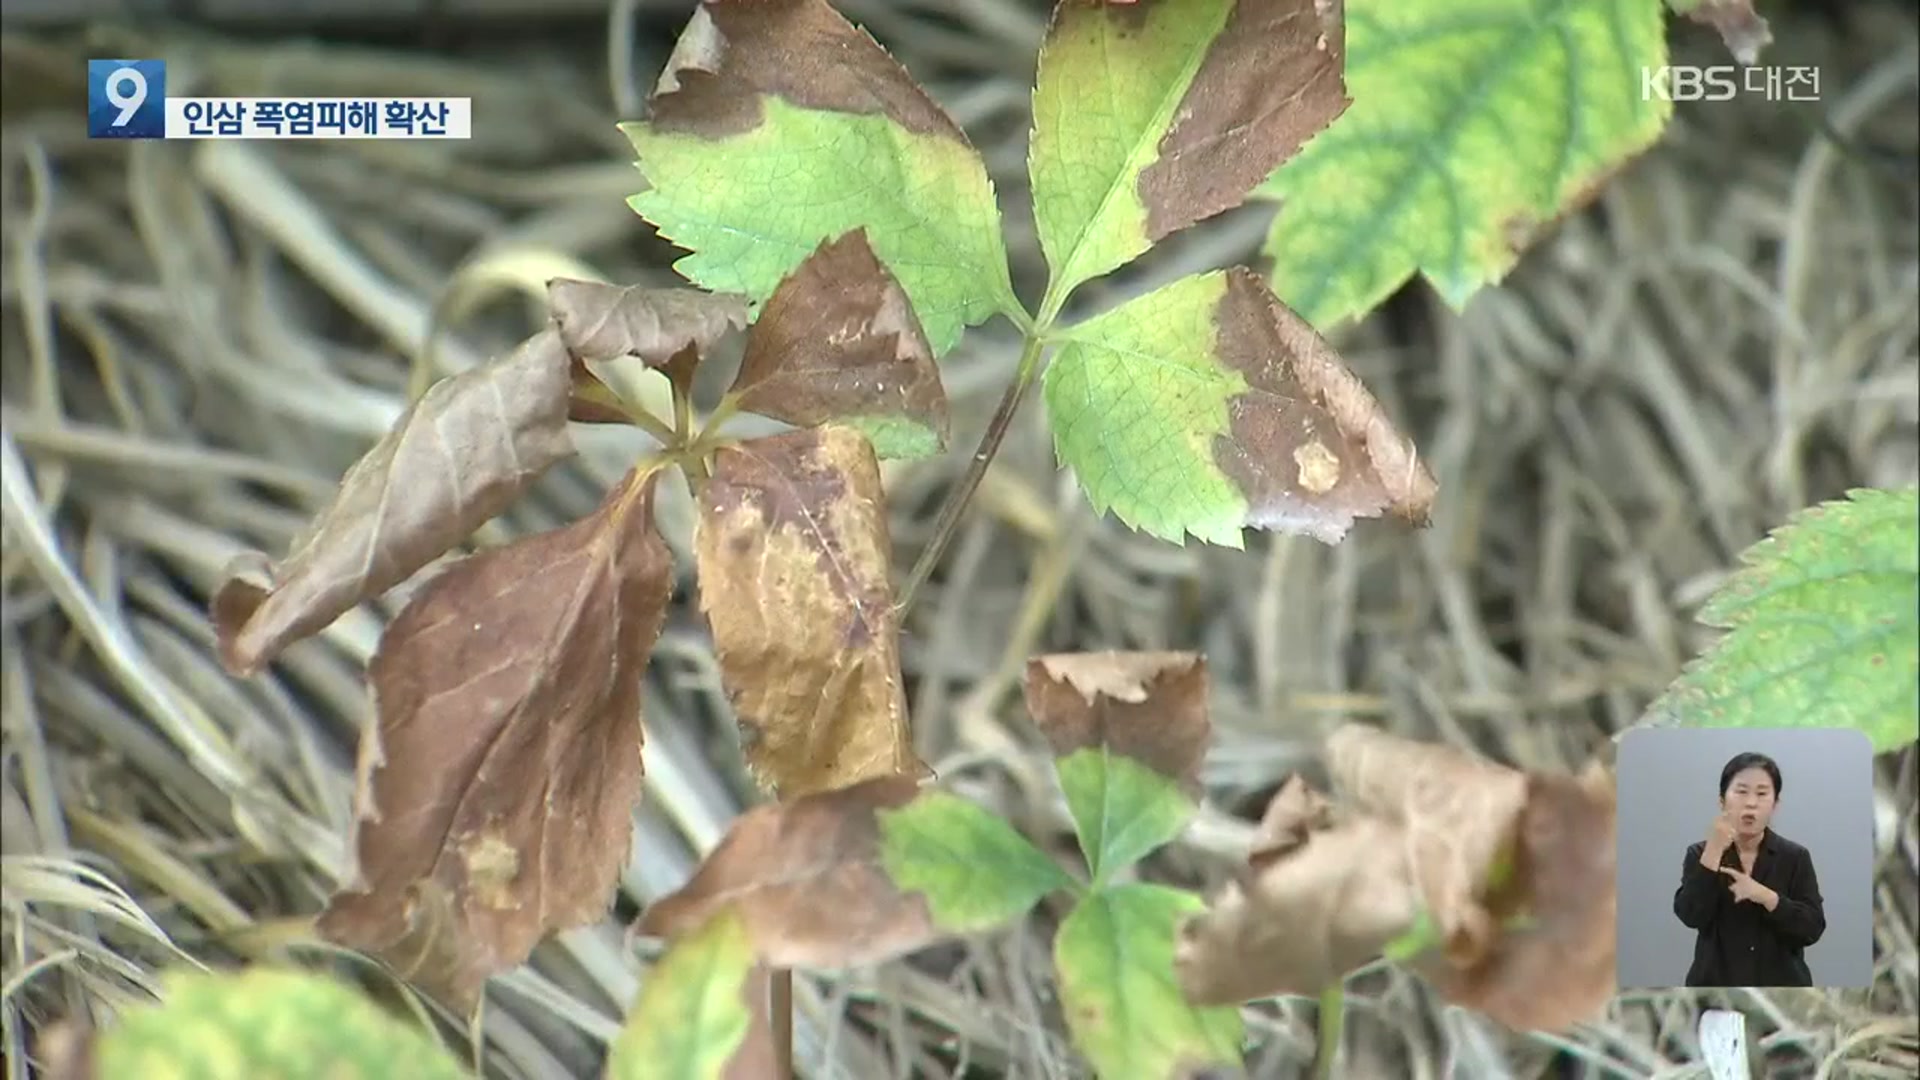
(806, 877)
(1457, 814)
(1516, 869)
(1309, 447)
(733, 55)
(1271, 80)
(839, 340)
(604, 322)
(496, 794)
(1557, 968)
(455, 459)
(1149, 706)
(1317, 901)
(794, 560)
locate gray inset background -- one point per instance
(1669, 780)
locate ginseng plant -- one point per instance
(842, 222)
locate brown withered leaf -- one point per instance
(1149, 706)
(604, 322)
(1317, 900)
(455, 459)
(1271, 80)
(1457, 814)
(733, 55)
(1308, 445)
(794, 558)
(806, 877)
(1426, 830)
(496, 793)
(838, 340)
(1557, 968)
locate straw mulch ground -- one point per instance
(198, 338)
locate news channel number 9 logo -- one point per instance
(126, 99)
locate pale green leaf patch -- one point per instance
(1824, 627)
(266, 1021)
(752, 206)
(974, 869)
(691, 1017)
(1472, 127)
(1122, 810)
(1114, 955)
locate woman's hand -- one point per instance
(1719, 837)
(1745, 888)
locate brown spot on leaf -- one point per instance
(1299, 393)
(806, 877)
(802, 610)
(455, 459)
(838, 339)
(659, 326)
(1149, 706)
(496, 792)
(735, 52)
(1270, 81)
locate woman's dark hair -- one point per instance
(1750, 760)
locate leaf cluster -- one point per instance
(497, 784)
(866, 873)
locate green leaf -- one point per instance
(265, 1022)
(1121, 809)
(974, 869)
(1825, 627)
(1472, 127)
(1115, 959)
(778, 126)
(1148, 118)
(691, 1017)
(1206, 406)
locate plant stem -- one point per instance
(947, 525)
(780, 1012)
(1333, 1014)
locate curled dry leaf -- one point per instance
(838, 340)
(496, 793)
(1457, 816)
(455, 459)
(1557, 968)
(794, 559)
(1149, 706)
(1427, 830)
(1309, 446)
(1314, 903)
(605, 322)
(806, 876)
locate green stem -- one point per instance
(1333, 1014)
(948, 523)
